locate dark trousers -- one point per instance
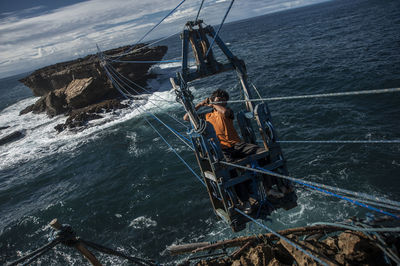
(239, 151)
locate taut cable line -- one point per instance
(322, 95)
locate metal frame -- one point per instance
(220, 179)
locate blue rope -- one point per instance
(147, 33)
(341, 190)
(187, 165)
(116, 74)
(171, 129)
(341, 197)
(198, 12)
(219, 28)
(391, 207)
(166, 142)
(282, 237)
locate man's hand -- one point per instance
(205, 102)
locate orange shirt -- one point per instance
(224, 128)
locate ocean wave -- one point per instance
(41, 139)
(142, 222)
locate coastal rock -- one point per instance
(80, 88)
(346, 248)
(83, 92)
(55, 103)
(38, 107)
(80, 117)
(14, 136)
(60, 75)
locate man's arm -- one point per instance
(205, 102)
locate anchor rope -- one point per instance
(220, 26)
(363, 92)
(35, 254)
(110, 251)
(148, 32)
(67, 237)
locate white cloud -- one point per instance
(31, 42)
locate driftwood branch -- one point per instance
(197, 247)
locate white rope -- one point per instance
(140, 48)
(320, 95)
(121, 88)
(341, 141)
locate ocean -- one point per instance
(118, 184)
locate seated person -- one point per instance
(232, 146)
(222, 120)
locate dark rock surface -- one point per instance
(16, 135)
(347, 248)
(79, 87)
(80, 117)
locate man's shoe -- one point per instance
(247, 208)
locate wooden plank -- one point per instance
(79, 246)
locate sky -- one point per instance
(36, 33)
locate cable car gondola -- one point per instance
(223, 178)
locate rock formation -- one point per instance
(16, 135)
(81, 89)
(334, 245)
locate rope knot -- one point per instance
(67, 235)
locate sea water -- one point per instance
(117, 183)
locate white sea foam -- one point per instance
(142, 222)
(41, 139)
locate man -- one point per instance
(232, 146)
(222, 120)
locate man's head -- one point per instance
(220, 96)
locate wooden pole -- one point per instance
(197, 247)
(79, 246)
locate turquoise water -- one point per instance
(118, 184)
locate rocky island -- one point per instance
(81, 89)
